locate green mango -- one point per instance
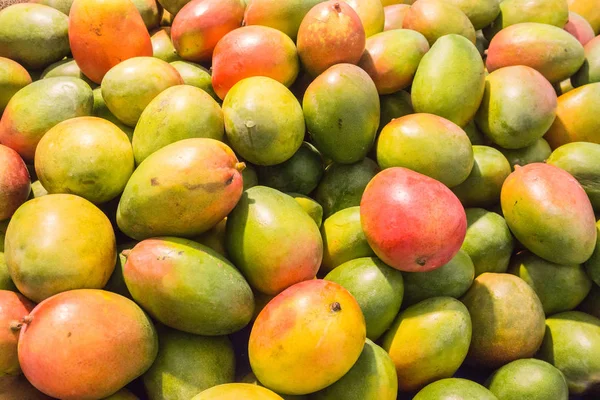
(537, 152)
(341, 107)
(66, 67)
(452, 69)
(250, 177)
(6, 282)
(370, 13)
(195, 75)
(13, 77)
(215, 238)
(116, 283)
(592, 265)
(481, 13)
(394, 105)
(475, 135)
(37, 190)
(162, 46)
(454, 388)
(590, 70)
(311, 207)
(64, 6)
(102, 111)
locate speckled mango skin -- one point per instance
(103, 33)
(428, 341)
(13, 77)
(588, 10)
(480, 12)
(575, 117)
(95, 359)
(307, 337)
(436, 18)
(54, 100)
(196, 182)
(15, 183)
(13, 307)
(131, 85)
(518, 107)
(391, 58)
(512, 12)
(34, 35)
(550, 50)
(371, 15)
(549, 213)
(331, 33)
(236, 391)
(285, 16)
(59, 242)
(453, 388)
(451, 69)
(590, 70)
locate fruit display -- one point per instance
(300, 200)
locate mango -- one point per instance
(481, 13)
(207, 191)
(331, 33)
(300, 174)
(518, 107)
(574, 117)
(454, 388)
(571, 344)
(588, 11)
(13, 308)
(393, 106)
(266, 52)
(373, 377)
(15, 183)
(56, 243)
(394, 16)
(116, 283)
(54, 100)
(188, 286)
(389, 71)
(580, 28)
(19, 388)
(180, 112)
(261, 130)
(508, 320)
(343, 185)
(114, 29)
(172, 6)
(131, 85)
(122, 394)
(188, 364)
(452, 279)
(95, 360)
(64, 6)
(550, 50)
(371, 15)
(285, 16)
(13, 77)
(427, 144)
(377, 288)
(590, 70)
(559, 287)
(6, 282)
(512, 12)
(199, 25)
(101, 111)
(549, 213)
(314, 330)
(488, 242)
(235, 391)
(537, 152)
(437, 18)
(419, 351)
(451, 59)
(475, 135)
(341, 108)
(86, 156)
(592, 265)
(483, 185)
(162, 46)
(33, 35)
(215, 238)
(150, 11)
(195, 75)
(267, 216)
(311, 207)
(251, 378)
(250, 177)
(66, 67)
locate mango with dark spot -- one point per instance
(194, 183)
(234, 391)
(285, 16)
(15, 183)
(394, 16)
(590, 70)
(452, 388)
(371, 15)
(13, 77)
(549, 213)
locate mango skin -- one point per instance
(580, 159)
(180, 112)
(115, 356)
(206, 182)
(162, 46)
(571, 344)
(480, 13)
(592, 265)
(187, 364)
(13, 77)
(444, 149)
(538, 152)
(13, 308)
(251, 378)
(508, 320)
(267, 216)
(312, 208)
(195, 75)
(263, 120)
(102, 111)
(394, 16)
(436, 18)
(343, 239)
(6, 282)
(451, 59)
(341, 108)
(371, 15)
(428, 341)
(103, 33)
(452, 388)
(373, 377)
(54, 100)
(575, 121)
(518, 107)
(590, 70)
(381, 59)
(489, 242)
(66, 67)
(131, 85)
(549, 213)
(550, 50)
(64, 6)
(512, 12)
(250, 177)
(59, 242)
(188, 286)
(34, 35)
(587, 10)
(235, 391)
(19, 388)
(580, 28)
(393, 106)
(284, 16)
(559, 287)
(314, 329)
(377, 288)
(215, 238)
(15, 183)
(86, 156)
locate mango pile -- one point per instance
(300, 200)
